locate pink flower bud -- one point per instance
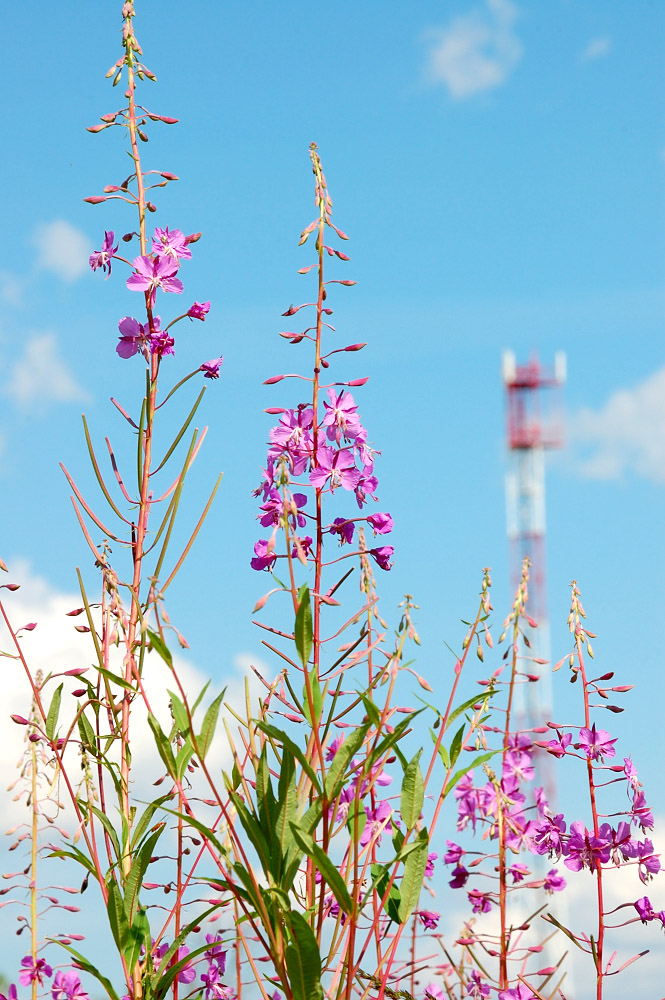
(95, 200)
(355, 347)
(19, 720)
(168, 121)
(274, 379)
(79, 692)
(29, 627)
(110, 188)
(168, 176)
(75, 612)
(76, 671)
(10, 586)
(96, 128)
(193, 237)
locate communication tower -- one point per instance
(534, 424)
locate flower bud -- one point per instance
(95, 199)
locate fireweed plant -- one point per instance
(307, 869)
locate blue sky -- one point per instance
(499, 169)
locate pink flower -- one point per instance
(383, 555)
(153, 273)
(264, 557)
(34, 971)
(199, 310)
(67, 986)
(429, 919)
(102, 258)
(381, 524)
(171, 244)
(596, 744)
(210, 369)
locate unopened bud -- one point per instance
(19, 720)
(193, 237)
(168, 176)
(142, 136)
(479, 652)
(151, 207)
(95, 199)
(110, 188)
(96, 128)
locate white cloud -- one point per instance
(55, 646)
(476, 51)
(41, 376)
(11, 289)
(596, 49)
(626, 436)
(62, 249)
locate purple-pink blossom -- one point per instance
(211, 368)
(477, 988)
(381, 524)
(584, 849)
(553, 881)
(199, 310)
(67, 986)
(480, 901)
(264, 557)
(102, 258)
(378, 822)
(338, 467)
(170, 243)
(153, 273)
(34, 971)
(344, 528)
(596, 744)
(383, 556)
(429, 919)
(341, 419)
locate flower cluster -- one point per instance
(154, 272)
(66, 983)
(329, 456)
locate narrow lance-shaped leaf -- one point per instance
(53, 712)
(303, 628)
(205, 737)
(412, 877)
(303, 960)
(413, 792)
(325, 866)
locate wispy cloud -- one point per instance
(596, 48)
(62, 249)
(626, 436)
(41, 377)
(475, 52)
(11, 289)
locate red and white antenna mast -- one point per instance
(534, 424)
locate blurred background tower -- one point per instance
(534, 423)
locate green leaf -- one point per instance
(479, 698)
(325, 866)
(256, 834)
(160, 647)
(87, 735)
(463, 770)
(281, 737)
(146, 817)
(317, 700)
(117, 916)
(303, 629)
(179, 714)
(115, 678)
(356, 818)
(380, 879)
(92, 970)
(163, 745)
(303, 960)
(456, 745)
(185, 754)
(413, 792)
(205, 737)
(110, 829)
(337, 769)
(413, 877)
(53, 712)
(134, 879)
(139, 934)
(286, 812)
